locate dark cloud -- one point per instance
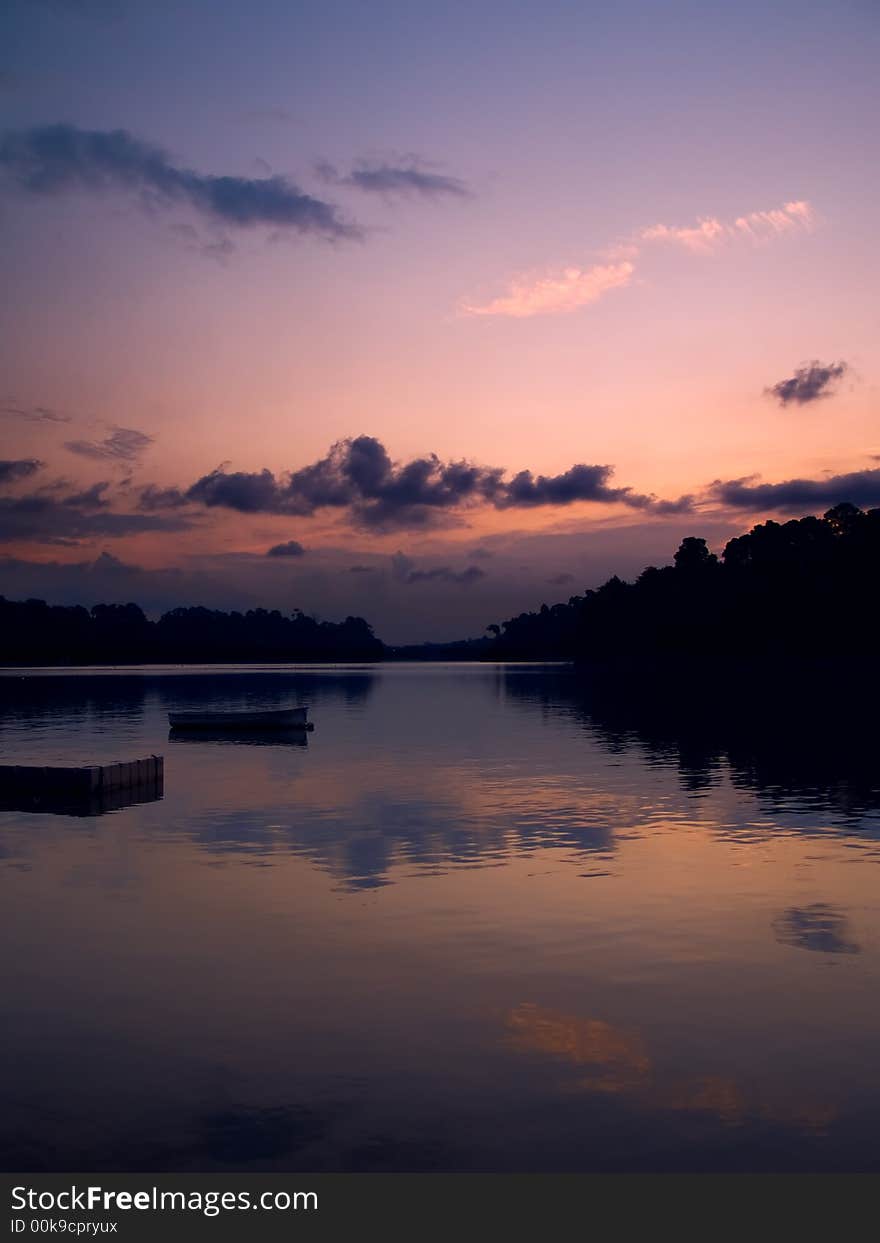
(50, 515)
(481, 554)
(580, 483)
(861, 487)
(93, 497)
(54, 159)
(411, 494)
(359, 475)
(291, 549)
(408, 178)
(249, 493)
(810, 382)
(559, 580)
(443, 574)
(684, 505)
(152, 498)
(818, 927)
(124, 444)
(403, 570)
(13, 469)
(362, 569)
(33, 414)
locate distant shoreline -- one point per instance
(686, 671)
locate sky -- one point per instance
(428, 314)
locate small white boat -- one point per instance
(279, 718)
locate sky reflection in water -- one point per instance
(485, 918)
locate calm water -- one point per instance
(486, 918)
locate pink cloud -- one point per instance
(555, 293)
(758, 226)
(562, 291)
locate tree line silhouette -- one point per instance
(808, 588)
(36, 633)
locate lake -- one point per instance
(484, 917)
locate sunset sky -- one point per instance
(427, 313)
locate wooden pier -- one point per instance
(89, 790)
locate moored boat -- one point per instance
(298, 736)
(278, 718)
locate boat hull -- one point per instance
(284, 718)
(298, 736)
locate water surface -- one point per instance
(483, 918)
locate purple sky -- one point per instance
(463, 307)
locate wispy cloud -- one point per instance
(58, 159)
(124, 444)
(709, 233)
(403, 570)
(569, 289)
(407, 178)
(444, 574)
(32, 414)
(555, 293)
(811, 382)
(55, 515)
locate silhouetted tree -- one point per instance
(809, 587)
(693, 556)
(33, 632)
